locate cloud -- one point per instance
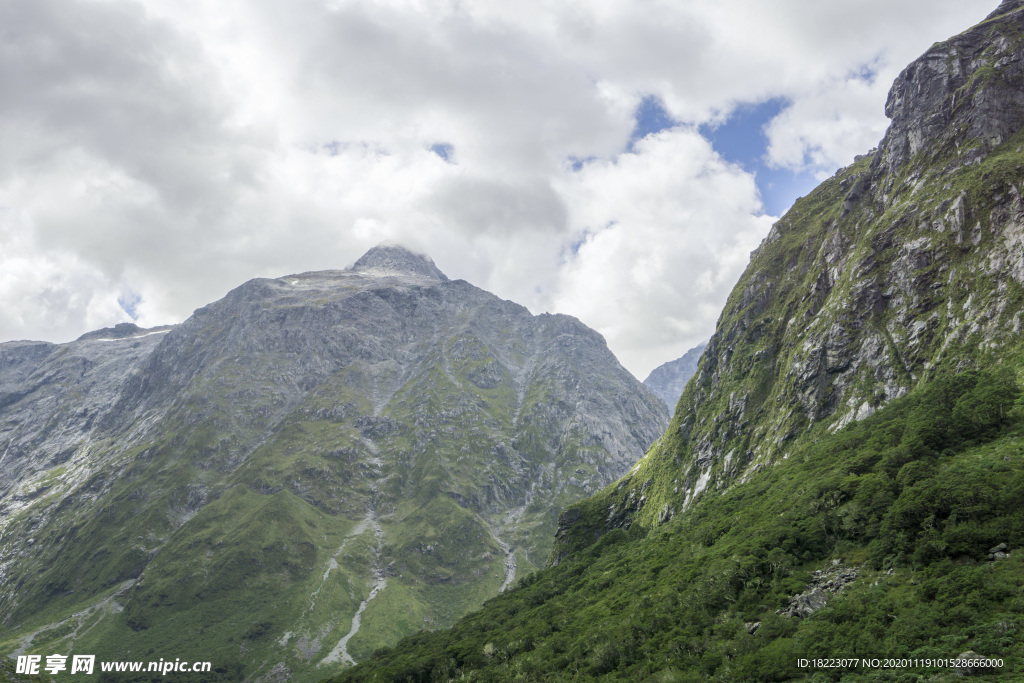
(478, 205)
(57, 292)
(103, 80)
(159, 152)
(826, 128)
(667, 231)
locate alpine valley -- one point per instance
(300, 473)
(839, 493)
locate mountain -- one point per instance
(301, 472)
(668, 380)
(902, 265)
(843, 476)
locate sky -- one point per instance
(614, 160)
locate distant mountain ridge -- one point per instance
(301, 472)
(668, 380)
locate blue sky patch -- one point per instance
(443, 150)
(868, 72)
(576, 163)
(780, 187)
(651, 117)
(130, 303)
(741, 140)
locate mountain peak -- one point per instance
(394, 259)
(1006, 6)
(964, 96)
(122, 331)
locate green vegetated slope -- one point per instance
(312, 450)
(913, 497)
(791, 355)
(857, 403)
(8, 674)
(275, 558)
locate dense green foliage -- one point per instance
(913, 497)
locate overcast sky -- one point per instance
(616, 160)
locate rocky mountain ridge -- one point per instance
(963, 95)
(333, 459)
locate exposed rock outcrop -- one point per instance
(964, 96)
(395, 260)
(899, 264)
(824, 585)
(1000, 552)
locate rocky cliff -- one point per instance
(963, 97)
(300, 472)
(906, 264)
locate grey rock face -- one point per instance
(1000, 552)
(966, 93)
(668, 380)
(909, 273)
(391, 325)
(53, 398)
(122, 331)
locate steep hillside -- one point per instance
(843, 476)
(300, 473)
(902, 266)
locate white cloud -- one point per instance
(55, 292)
(826, 128)
(668, 230)
(171, 149)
